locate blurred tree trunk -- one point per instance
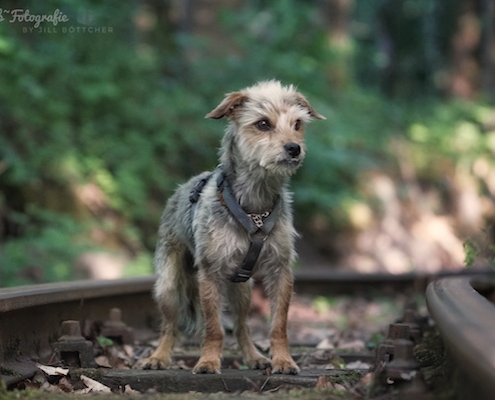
(409, 38)
(388, 35)
(466, 42)
(339, 14)
(488, 48)
(154, 23)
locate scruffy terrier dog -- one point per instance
(222, 227)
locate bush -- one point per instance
(122, 114)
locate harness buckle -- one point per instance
(259, 219)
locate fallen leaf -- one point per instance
(53, 371)
(65, 385)
(323, 383)
(338, 362)
(118, 358)
(93, 386)
(129, 390)
(354, 344)
(357, 365)
(325, 344)
(102, 361)
(407, 376)
(129, 350)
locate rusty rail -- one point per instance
(466, 321)
(31, 316)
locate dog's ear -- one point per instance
(301, 100)
(227, 107)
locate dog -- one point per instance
(222, 227)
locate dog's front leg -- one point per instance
(280, 291)
(210, 360)
(240, 303)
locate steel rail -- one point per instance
(31, 316)
(466, 322)
(28, 296)
(320, 281)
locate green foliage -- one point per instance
(141, 265)
(352, 140)
(375, 340)
(456, 130)
(81, 108)
(470, 253)
(46, 250)
(323, 304)
(124, 111)
(104, 342)
(479, 252)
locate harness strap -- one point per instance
(245, 270)
(196, 192)
(234, 207)
(257, 227)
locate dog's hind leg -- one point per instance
(168, 296)
(239, 295)
(280, 291)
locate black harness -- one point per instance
(257, 226)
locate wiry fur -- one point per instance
(195, 257)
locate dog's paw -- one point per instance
(154, 363)
(284, 366)
(260, 362)
(207, 366)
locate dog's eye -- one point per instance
(263, 125)
(297, 126)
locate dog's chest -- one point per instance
(224, 239)
(228, 245)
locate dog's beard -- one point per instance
(283, 165)
(268, 156)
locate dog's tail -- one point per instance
(190, 315)
(176, 289)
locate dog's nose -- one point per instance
(292, 149)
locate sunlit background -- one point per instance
(102, 116)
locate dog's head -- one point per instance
(268, 125)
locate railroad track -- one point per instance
(51, 324)
(463, 310)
